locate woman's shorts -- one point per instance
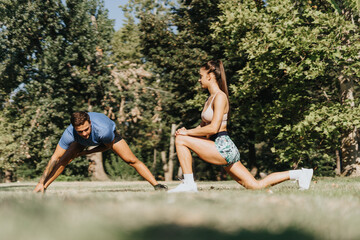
(226, 147)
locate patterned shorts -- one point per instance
(226, 147)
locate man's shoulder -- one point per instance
(100, 119)
(69, 131)
(95, 116)
(67, 137)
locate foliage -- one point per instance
(126, 43)
(53, 63)
(118, 169)
(175, 42)
(294, 56)
(317, 135)
(8, 146)
(286, 61)
(133, 100)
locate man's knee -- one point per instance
(132, 161)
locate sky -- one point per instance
(115, 12)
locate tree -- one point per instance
(288, 90)
(54, 62)
(136, 100)
(349, 10)
(7, 148)
(175, 42)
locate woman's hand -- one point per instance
(181, 131)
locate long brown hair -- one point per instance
(217, 67)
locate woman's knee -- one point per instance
(255, 185)
(181, 140)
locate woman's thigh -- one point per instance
(203, 147)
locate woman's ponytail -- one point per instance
(223, 83)
(217, 68)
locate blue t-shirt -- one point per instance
(102, 131)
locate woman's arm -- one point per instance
(219, 109)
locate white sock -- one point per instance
(295, 174)
(189, 178)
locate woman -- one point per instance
(210, 140)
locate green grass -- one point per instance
(221, 210)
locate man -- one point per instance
(91, 129)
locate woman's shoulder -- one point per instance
(221, 96)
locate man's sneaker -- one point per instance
(184, 187)
(305, 178)
(160, 187)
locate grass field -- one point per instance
(220, 210)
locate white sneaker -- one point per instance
(305, 178)
(184, 187)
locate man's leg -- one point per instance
(122, 149)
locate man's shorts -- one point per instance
(117, 137)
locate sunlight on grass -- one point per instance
(221, 210)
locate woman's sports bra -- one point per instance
(207, 114)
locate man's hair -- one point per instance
(79, 118)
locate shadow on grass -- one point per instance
(24, 187)
(176, 232)
(119, 190)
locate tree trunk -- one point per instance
(171, 153)
(8, 176)
(168, 165)
(122, 114)
(96, 167)
(350, 154)
(154, 161)
(180, 173)
(165, 164)
(252, 155)
(350, 141)
(338, 162)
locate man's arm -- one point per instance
(56, 166)
(54, 160)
